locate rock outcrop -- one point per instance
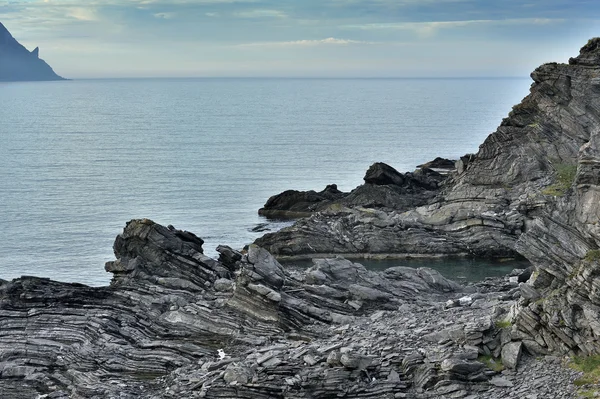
(19, 64)
(384, 188)
(292, 204)
(533, 189)
(492, 198)
(175, 323)
(561, 312)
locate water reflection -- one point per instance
(458, 269)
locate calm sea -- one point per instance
(80, 158)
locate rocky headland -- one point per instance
(19, 64)
(176, 323)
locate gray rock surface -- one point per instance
(511, 353)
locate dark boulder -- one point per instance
(439, 163)
(293, 204)
(383, 174)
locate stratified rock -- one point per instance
(173, 321)
(494, 196)
(18, 64)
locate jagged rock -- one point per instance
(383, 174)
(439, 163)
(294, 204)
(355, 361)
(511, 353)
(462, 366)
(169, 325)
(528, 292)
(18, 64)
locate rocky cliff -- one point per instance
(19, 64)
(562, 310)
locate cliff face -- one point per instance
(19, 64)
(563, 240)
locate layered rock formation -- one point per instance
(562, 310)
(175, 323)
(487, 203)
(19, 64)
(532, 189)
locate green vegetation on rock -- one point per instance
(565, 176)
(503, 324)
(593, 255)
(491, 363)
(589, 366)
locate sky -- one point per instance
(301, 38)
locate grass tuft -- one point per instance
(503, 324)
(565, 176)
(593, 255)
(589, 366)
(491, 363)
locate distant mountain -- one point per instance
(19, 64)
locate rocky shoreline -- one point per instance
(176, 323)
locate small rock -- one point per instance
(501, 382)
(224, 285)
(511, 353)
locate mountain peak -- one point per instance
(19, 64)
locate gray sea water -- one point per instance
(80, 158)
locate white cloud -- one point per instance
(165, 15)
(261, 14)
(306, 43)
(431, 28)
(82, 14)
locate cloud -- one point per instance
(428, 29)
(260, 14)
(82, 14)
(306, 43)
(165, 15)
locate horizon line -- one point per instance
(302, 77)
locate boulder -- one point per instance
(383, 174)
(293, 204)
(511, 353)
